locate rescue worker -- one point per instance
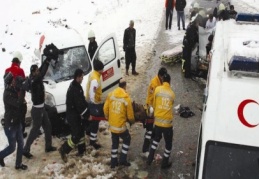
(77, 111)
(12, 121)
(163, 107)
(169, 6)
(191, 38)
(155, 82)
(16, 70)
(93, 97)
(92, 47)
(118, 110)
(129, 41)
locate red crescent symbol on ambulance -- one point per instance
(240, 112)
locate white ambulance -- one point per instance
(60, 74)
(228, 145)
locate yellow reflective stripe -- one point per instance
(119, 99)
(70, 143)
(164, 95)
(118, 128)
(82, 141)
(164, 121)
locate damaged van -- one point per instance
(75, 55)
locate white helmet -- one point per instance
(196, 5)
(18, 55)
(222, 7)
(202, 13)
(91, 34)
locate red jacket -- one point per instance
(15, 70)
(166, 4)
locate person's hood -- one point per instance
(120, 93)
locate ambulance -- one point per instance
(228, 143)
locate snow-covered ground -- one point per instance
(23, 22)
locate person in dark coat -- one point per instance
(169, 6)
(179, 6)
(16, 70)
(77, 111)
(38, 113)
(92, 47)
(129, 41)
(13, 102)
(223, 13)
(191, 37)
(232, 13)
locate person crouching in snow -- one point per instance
(93, 97)
(118, 109)
(92, 47)
(77, 111)
(13, 121)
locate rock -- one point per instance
(3, 49)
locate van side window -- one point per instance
(106, 52)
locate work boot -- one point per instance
(135, 73)
(165, 163)
(178, 28)
(114, 162)
(64, 150)
(146, 145)
(27, 154)
(127, 72)
(21, 167)
(123, 160)
(2, 162)
(150, 157)
(50, 149)
(81, 150)
(24, 134)
(95, 145)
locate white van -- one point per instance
(228, 144)
(60, 75)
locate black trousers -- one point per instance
(24, 111)
(130, 55)
(125, 136)
(187, 55)
(149, 134)
(160, 132)
(77, 133)
(169, 16)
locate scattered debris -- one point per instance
(179, 153)
(181, 175)
(51, 9)
(36, 12)
(3, 49)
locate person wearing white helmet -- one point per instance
(16, 70)
(195, 10)
(92, 47)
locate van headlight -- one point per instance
(49, 99)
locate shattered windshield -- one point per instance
(224, 160)
(73, 58)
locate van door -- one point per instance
(108, 53)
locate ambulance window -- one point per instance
(224, 160)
